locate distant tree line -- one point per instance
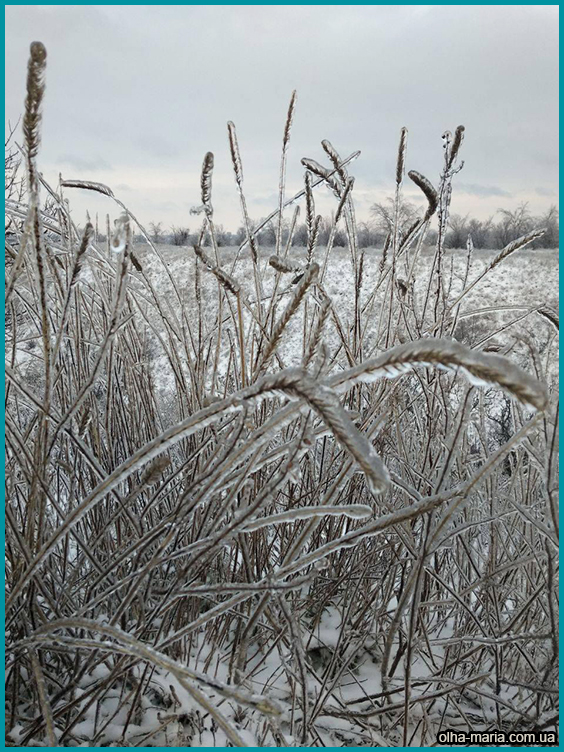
(495, 232)
(505, 227)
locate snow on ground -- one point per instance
(499, 311)
(170, 716)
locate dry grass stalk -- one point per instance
(481, 368)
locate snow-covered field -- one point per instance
(274, 651)
(526, 278)
(501, 310)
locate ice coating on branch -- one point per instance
(119, 238)
(281, 265)
(226, 279)
(344, 198)
(479, 367)
(354, 511)
(430, 193)
(88, 185)
(121, 642)
(326, 175)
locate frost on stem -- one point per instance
(119, 238)
(479, 367)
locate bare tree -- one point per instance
(457, 231)
(157, 232)
(180, 235)
(340, 239)
(383, 217)
(240, 235)
(366, 235)
(267, 235)
(513, 224)
(300, 235)
(481, 232)
(550, 221)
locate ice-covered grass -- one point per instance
(276, 496)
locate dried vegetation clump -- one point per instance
(249, 516)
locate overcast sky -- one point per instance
(137, 94)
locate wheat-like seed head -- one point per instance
(312, 239)
(456, 144)
(402, 150)
(385, 249)
(430, 193)
(315, 167)
(206, 183)
(479, 367)
(226, 279)
(135, 261)
(309, 276)
(335, 159)
(323, 401)
(88, 185)
(35, 91)
(323, 173)
(281, 266)
(235, 155)
(310, 203)
(86, 237)
(289, 119)
(515, 245)
(344, 198)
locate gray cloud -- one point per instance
(165, 206)
(548, 192)
(154, 146)
(485, 191)
(84, 164)
(149, 89)
(268, 200)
